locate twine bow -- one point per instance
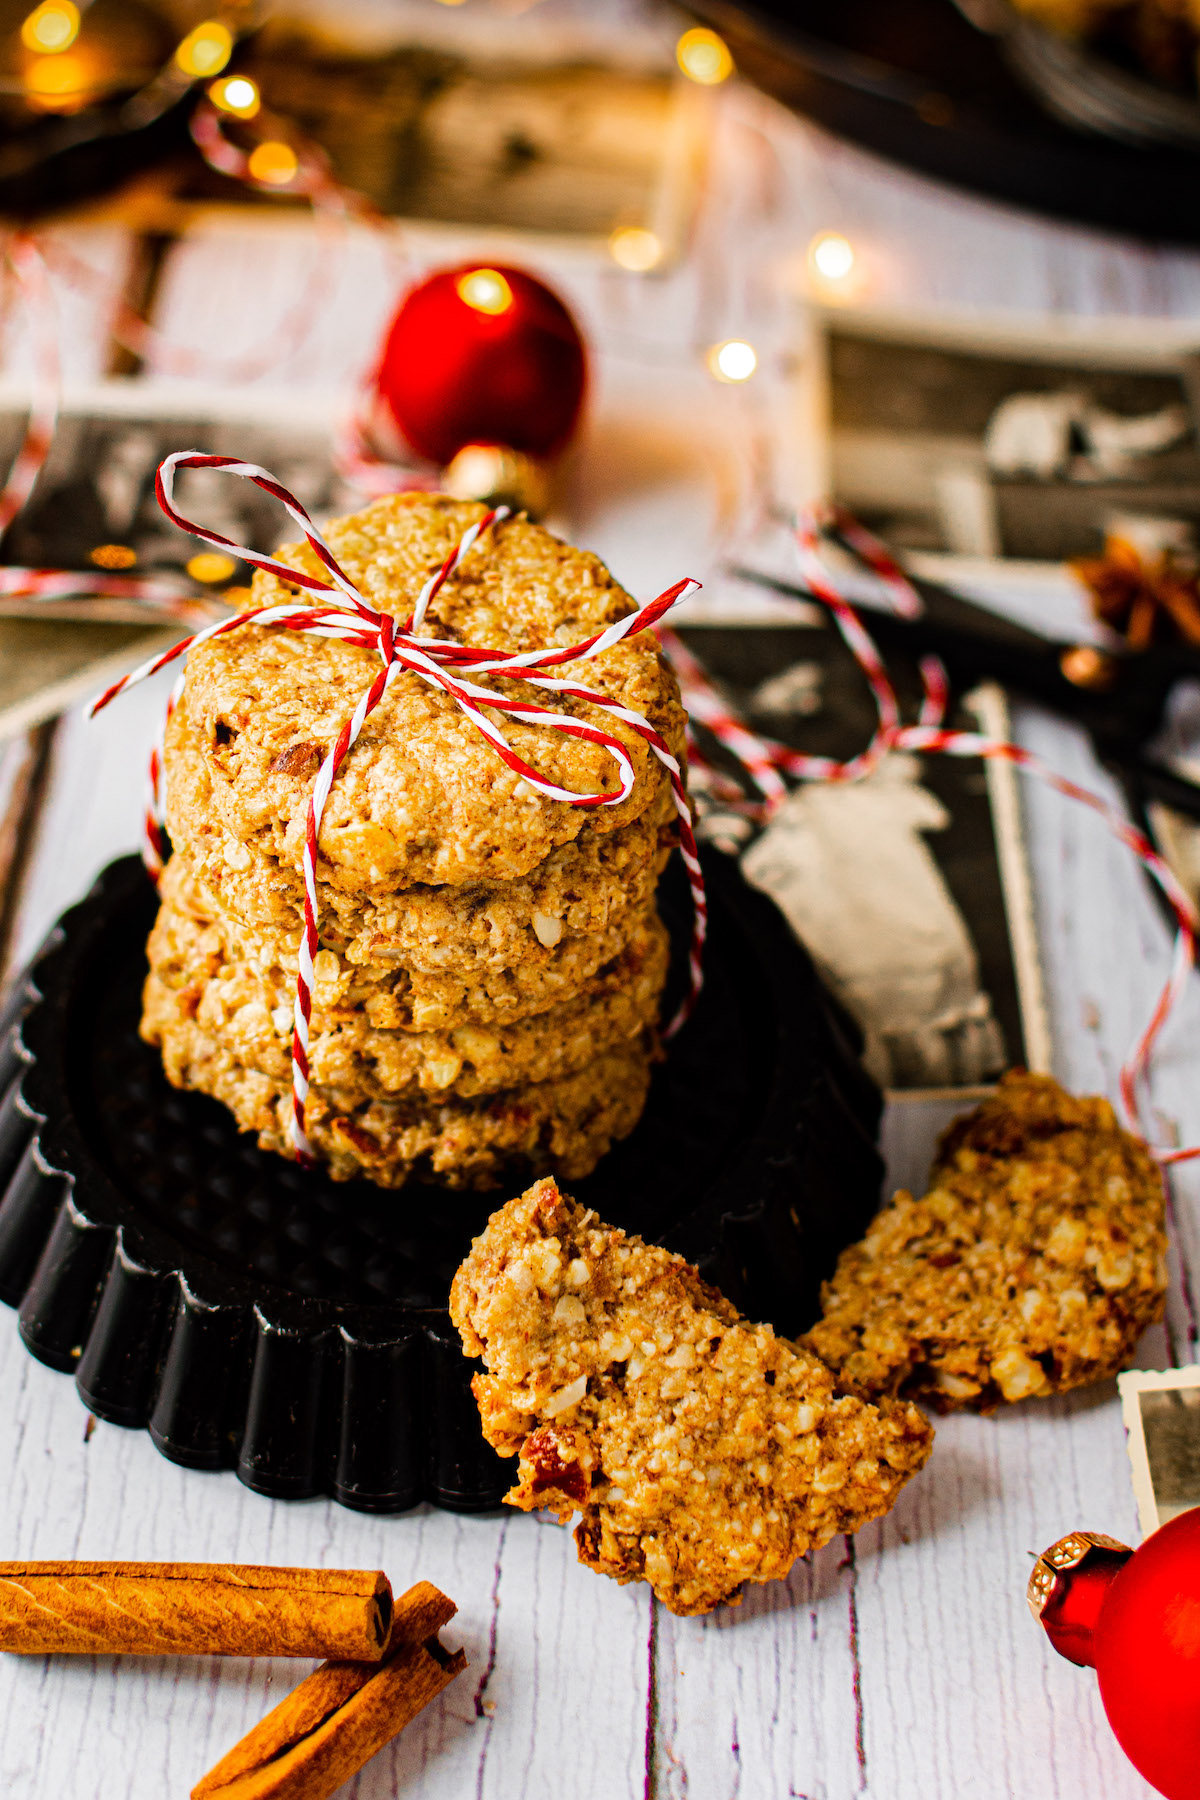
(452, 667)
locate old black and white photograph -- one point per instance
(907, 887)
(1162, 1423)
(571, 143)
(93, 510)
(967, 445)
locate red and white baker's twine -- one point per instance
(333, 206)
(24, 261)
(766, 761)
(27, 259)
(163, 596)
(314, 178)
(439, 662)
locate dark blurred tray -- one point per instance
(913, 80)
(256, 1316)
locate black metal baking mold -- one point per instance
(253, 1315)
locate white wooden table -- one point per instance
(902, 1665)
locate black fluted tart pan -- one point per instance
(253, 1315)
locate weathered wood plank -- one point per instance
(961, 1694)
(761, 1698)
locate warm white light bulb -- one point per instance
(52, 81)
(51, 27)
(211, 565)
(704, 57)
(236, 94)
(206, 50)
(273, 163)
(831, 255)
(635, 248)
(734, 360)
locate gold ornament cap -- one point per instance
(499, 477)
(1068, 1553)
(1068, 1589)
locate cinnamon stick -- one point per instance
(337, 1720)
(193, 1609)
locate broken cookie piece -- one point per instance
(702, 1451)
(1032, 1265)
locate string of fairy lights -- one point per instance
(55, 78)
(833, 268)
(58, 79)
(58, 75)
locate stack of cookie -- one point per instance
(487, 990)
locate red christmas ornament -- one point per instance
(482, 354)
(1134, 1616)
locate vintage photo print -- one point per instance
(971, 445)
(94, 505)
(1162, 1430)
(986, 458)
(910, 888)
(94, 511)
(569, 146)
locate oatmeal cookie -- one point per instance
(423, 796)
(702, 1451)
(393, 997)
(582, 887)
(249, 1011)
(564, 1125)
(1033, 1264)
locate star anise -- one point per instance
(1148, 600)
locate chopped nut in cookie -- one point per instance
(702, 1451)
